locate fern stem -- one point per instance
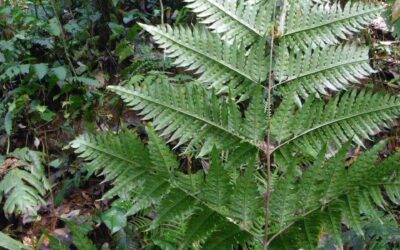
(267, 195)
(162, 12)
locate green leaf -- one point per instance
(351, 116)
(79, 238)
(114, 219)
(160, 154)
(10, 244)
(243, 69)
(201, 224)
(256, 117)
(245, 198)
(329, 22)
(174, 204)
(60, 73)
(240, 20)
(332, 219)
(41, 70)
(351, 211)
(124, 50)
(226, 237)
(217, 189)
(85, 80)
(54, 26)
(201, 118)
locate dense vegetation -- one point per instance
(203, 124)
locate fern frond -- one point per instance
(217, 187)
(190, 114)
(79, 238)
(226, 236)
(111, 156)
(332, 219)
(316, 70)
(9, 243)
(25, 185)
(160, 154)
(338, 191)
(351, 116)
(174, 204)
(284, 198)
(235, 19)
(222, 66)
(201, 224)
(318, 25)
(256, 117)
(125, 161)
(246, 201)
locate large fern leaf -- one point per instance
(111, 155)
(225, 67)
(313, 25)
(236, 19)
(124, 160)
(189, 114)
(351, 116)
(316, 70)
(337, 191)
(25, 185)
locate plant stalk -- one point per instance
(267, 195)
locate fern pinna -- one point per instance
(278, 89)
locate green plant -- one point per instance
(9, 243)
(23, 182)
(278, 174)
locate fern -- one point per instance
(337, 191)
(201, 119)
(173, 197)
(222, 65)
(79, 238)
(236, 124)
(24, 183)
(352, 116)
(234, 19)
(332, 68)
(312, 25)
(9, 243)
